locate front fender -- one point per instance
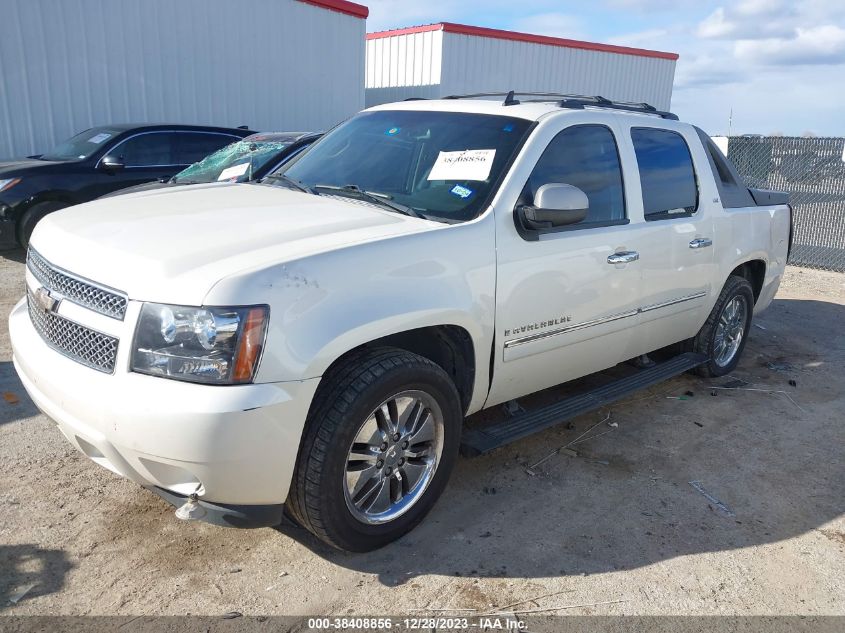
(327, 304)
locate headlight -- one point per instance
(8, 183)
(221, 346)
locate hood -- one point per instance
(172, 245)
(15, 166)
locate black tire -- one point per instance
(32, 217)
(705, 341)
(348, 395)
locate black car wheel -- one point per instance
(32, 217)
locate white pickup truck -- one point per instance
(314, 343)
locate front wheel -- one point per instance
(723, 336)
(380, 442)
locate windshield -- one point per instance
(81, 146)
(442, 165)
(234, 163)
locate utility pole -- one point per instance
(730, 120)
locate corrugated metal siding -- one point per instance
(66, 65)
(403, 66)
(464, 64)
(482, 64)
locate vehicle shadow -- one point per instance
(27, 565)
(767, 467)
(15, 403)
(15, 255)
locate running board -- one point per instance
(483, 440)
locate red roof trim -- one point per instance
(341, 6)
(480, 31)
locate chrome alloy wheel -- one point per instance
(729, 331)
(393, 457)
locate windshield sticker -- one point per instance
(233, 172)
(508, 128)
(392, 131)
(461, 192)
(470, 164)
(99, 138)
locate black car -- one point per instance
(94, 163)
(243, 161)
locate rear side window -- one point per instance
(667, 176)
(191, 147)
(586, 157)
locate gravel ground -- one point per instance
(618, 526)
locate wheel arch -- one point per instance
(449, 346)
(753, 270)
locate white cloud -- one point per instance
(750, 19)
(818, 45)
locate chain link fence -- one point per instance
(812, 170)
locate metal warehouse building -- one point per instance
(437, 60)
(67, 65)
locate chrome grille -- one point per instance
(77, 342)
(112, 303)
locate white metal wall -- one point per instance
(483, 64)
(66, 65)
(436, 63)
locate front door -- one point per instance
(566, 301)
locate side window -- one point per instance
(666, 173)
(194, 146)
(146, 150)
(586, 157)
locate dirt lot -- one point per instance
(619, 524)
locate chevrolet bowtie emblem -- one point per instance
(46, 301)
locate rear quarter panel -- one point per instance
(753, 233)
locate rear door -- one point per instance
(676, 237)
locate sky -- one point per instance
(778, 66)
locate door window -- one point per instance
(194, 146)
(586, 157)
(146, 150)
(667, 176)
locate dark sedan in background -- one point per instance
(95, 162)
(251, 159)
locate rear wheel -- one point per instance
(380, 442)
(723, 336)
(32, 217)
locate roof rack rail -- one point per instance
(575, 102)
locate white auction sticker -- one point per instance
(470, 164)
(99, 138)
(233, 172)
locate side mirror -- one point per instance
(555, 204)
(111, 163)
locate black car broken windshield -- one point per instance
(443, 165)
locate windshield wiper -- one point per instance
(381, 199)
(295, 184)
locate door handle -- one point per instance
(625, 257)
(701, 242)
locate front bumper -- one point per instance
(232, 445)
